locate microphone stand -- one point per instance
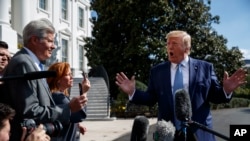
(196, 124)
(184, 129)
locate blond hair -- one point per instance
(186, 38)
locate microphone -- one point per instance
(183, 111)
(140, 129)
(165, 131)
(31, 75)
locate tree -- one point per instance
(129, 36)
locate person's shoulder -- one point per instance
(199, 61)
(21, 55)
(59, 97)
(161, 65)
(58, 94)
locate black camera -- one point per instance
(52, 129)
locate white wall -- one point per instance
(23, 11)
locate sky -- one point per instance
(234, 23)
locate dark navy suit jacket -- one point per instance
(203, 89)
(69, 132)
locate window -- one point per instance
(81, 55)
(42, 4)
(64, 50)
(81, 17)
(64, 9)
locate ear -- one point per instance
(34, 40)
(187, 49)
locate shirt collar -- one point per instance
(33, 56)
(184, 62)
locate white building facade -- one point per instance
(69, 17)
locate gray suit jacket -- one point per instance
(30, 98)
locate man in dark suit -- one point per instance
(198, 78)
(32, 98)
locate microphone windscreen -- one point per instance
(140, 129)
(183, 109)
(165, 131)
(39, 75)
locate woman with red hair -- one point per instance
(59, 86)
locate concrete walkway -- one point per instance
(222, 119)
(117, 130)
(120, 129)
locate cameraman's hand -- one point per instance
(77, 103)
(38, 134)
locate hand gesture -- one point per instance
(233, 82)
(126, 85)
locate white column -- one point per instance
(7, 34)
(89, 24)
(20, 14)
(88, 34)
(4, 13)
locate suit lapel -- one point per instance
(43, 81)
(169, 91)
(166, 82)
(193, 72)
(46, 88)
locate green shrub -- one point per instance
(242, 92)
(234, 103)
(121, 107)
(132, 110)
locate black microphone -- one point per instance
(140, 129)
(165, 131)
(31, 75)
(183, 111)
(183, 105)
